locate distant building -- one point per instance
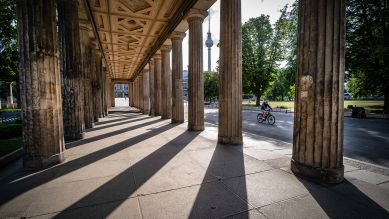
(121, 90)
(185, 83)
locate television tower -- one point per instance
(209, 42)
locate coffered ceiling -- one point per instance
(129, 29)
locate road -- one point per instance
(364, 139)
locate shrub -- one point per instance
(10, 131)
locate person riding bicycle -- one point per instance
(265, 108)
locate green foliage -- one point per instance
(8, 41)
(262, 48)
(10, 110)
(9, 145)
(367, 48)
(283, 85)
(211, 85)
(10, 131)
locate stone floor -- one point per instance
(135, 166)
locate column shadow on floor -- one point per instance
(24, 181)
(122, 122)
(119, 188)
(344, 200)
(215, 199)
(110, 134)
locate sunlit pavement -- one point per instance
(364, 139)
(135, 166)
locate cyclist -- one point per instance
(265, 108)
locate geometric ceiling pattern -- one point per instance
(128, 29)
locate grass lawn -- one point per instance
(9, 145)
(369, 105)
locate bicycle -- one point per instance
(269, 117)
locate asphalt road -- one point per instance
(364, 139)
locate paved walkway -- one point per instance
(135, 166)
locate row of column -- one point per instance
(54, 97)
(63, 83)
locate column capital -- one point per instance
(177, 36)
(196, 15)
(157, 56)
(166, 48)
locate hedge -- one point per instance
(10, 131)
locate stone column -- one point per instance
(196, 83)
(40, 86)
(94, 82)
(146, 101)
(151, 87)
(140, 92)
(10, 101)
(157, 84)
(177, 88)
(318, 116)
(99, 70)
(130, 94)
(112, 94)
(72, 95)
(230, 73)
(166, 97)
(86, 71)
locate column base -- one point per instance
(195, 127)
(38, 163)
(92, 125)
(146, 112)
(75, 137)
(331, 176)
(178, 121)
(165, 117)
(238, 140)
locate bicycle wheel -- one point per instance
(260, 118)
(271, 119)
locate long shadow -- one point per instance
(132, 115)
(216, 199)
(17, 185)
(117, 190)
(125, 121)
(108, 134)
(345, 201)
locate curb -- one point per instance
(8, 158)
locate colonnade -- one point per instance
(60, 101)
(63, 83)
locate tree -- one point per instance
(262, 49)
(211, 85)
(8, 41)
(285, 78)
(367, 48)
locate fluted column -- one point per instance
(40, 86)
(318, 117)
(72, 95)
(196, 83)
(10, 101)
(157, 84)
(112, 94)
(86, 71)
(98, 106)
(140, 92)
(177, 88)
(131, 94)
(146, 98)
(151, 87)
(230, 73)
(166, 102)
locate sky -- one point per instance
(250, 9)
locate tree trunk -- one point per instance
(257, 103)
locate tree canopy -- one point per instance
(262, 48)
(367, 48)
(8, 41)
(211, 85)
